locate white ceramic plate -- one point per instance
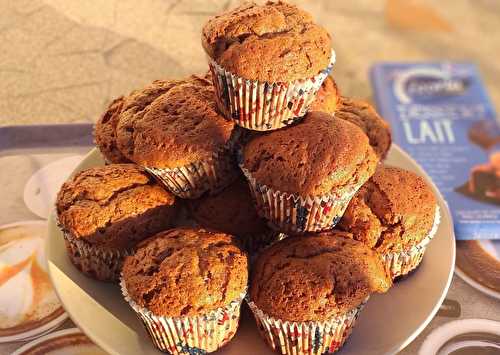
(28, 304)
(41, 189)
(68, 341)
(388, 323)
(478, 264)
(467, 335)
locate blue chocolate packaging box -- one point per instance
(441, 115)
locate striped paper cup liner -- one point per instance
(305, 338)
(263, 106)
(401, 263)
(291, 213)
(199, 334)
(193, 180)
(97, 262)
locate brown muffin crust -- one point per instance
(105, 129)
(392, 212)
(334, 154)
(124, 108)
(173, 126)
(186, 272)
(114, 206)
(365, 117)
(134, 104)
(328, 97)
(315, 277)
(274, 42)
(105, 132)
(138, 100)
(231, 211)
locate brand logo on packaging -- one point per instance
(423, 84)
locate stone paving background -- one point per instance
(64, 60)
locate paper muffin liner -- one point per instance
(264, 106)
(192, 180)
(305, 338)
(97, 262)
(401, 263)
(292, 213)
(199, 334)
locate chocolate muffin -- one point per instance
(359, 112)
(328, 97)
(319, 280)
(104, 211)
(105, 133)
(139, 100)
(233, 211)
(363, 115)
(395, 213)
(187, 285)
(179, 137)
(276, 50)
(125, 106)
(303, 182)
(274, 42)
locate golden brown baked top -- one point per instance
(135, 104)
(231, 211)
(327, 98)
(173, 126)
(125, 106)
(364, 116)
(114, 205)
(316, 276)
(274, 42)
(185, 272)
(314, 157)
(105, 132)
(392, 212)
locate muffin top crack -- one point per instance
(275, 42)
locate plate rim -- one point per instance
(45, 337)
(31, 181)
(441, 334)
(476, 285)
(446, 211)
(396, 348)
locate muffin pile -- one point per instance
(255, 181)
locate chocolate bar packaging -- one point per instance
(442, 116)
